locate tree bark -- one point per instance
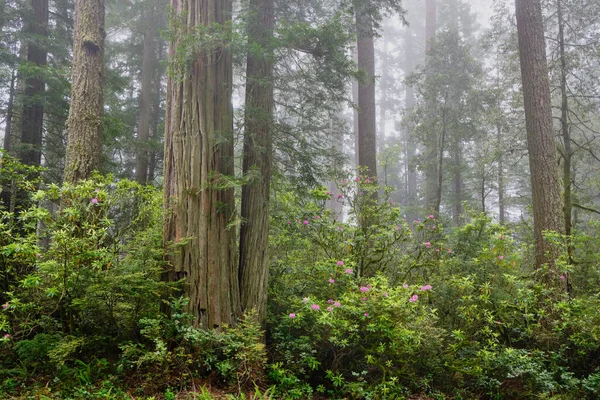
(258, 154)
(32, 127)
(367, 128)
(431, 145)
(411, 147)
(7, 145)
(84, 126)
(198, 200)
(548, 213)
(566, 134)
(145, 116)
(501, 206)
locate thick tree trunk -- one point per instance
(258, 149)
(84, 148)
(355, 112)
(367, 127)
(145, 116)
(548, 213)
(198, 200)
(32, 127)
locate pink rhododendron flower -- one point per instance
(428, 245)
(305, 222)
(331, 280)
(414, 298)
(416, 221)
(366, 314)
(431, 216)
(292, 315)
(340, 196)
(340, 263)
(438, 250)
(357, 179)
(348, 271)
(405, 286)
(339, 228)
(94, 200)
(337, 304)
(385, 294)
(329, 308)
(364, 289)
(449, 250)
(315, 307)
(4, 306)
(562, 278)
(500, 257)
(426, 287)
(317, 217)
(329, 301)
(364, 299)
(6, 336)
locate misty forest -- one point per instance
(300, 199)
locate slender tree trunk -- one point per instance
(548, 213)
(7, 145)
(431, 145)
(155, 154)
(84, 148)
(198, 201)
(440, 166)
(411, 147)
(355, 113)
(145, 117)
(32, 127)
(383, 87)
(501, 208)
(457, 209)
(258, 154)
(566, 134)
(367, 128)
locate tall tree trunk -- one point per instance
(457, 209)
(355, 112)
(258, 149)
(7, 145)
(367, 128)
(440, 166)
(548, 213)
(411, 147)
(566, 134)
(145, 116)
(32, 127)
(431, 145)
(198, 201)
(383, 88)
(501, 206)
(159, 71)
(84, 126)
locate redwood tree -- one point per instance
(33, 108)
(198, 199)
(546, 195)
(84, 126)
(367, 128)
(254, 233)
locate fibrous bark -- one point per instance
(258, 149)
(32, 126)
(198, 201)
(84, 126)
(367, 128)
(547, 203)
(145, 116)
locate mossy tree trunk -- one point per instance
(84, 126)
(199, 202)
(258, 149)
